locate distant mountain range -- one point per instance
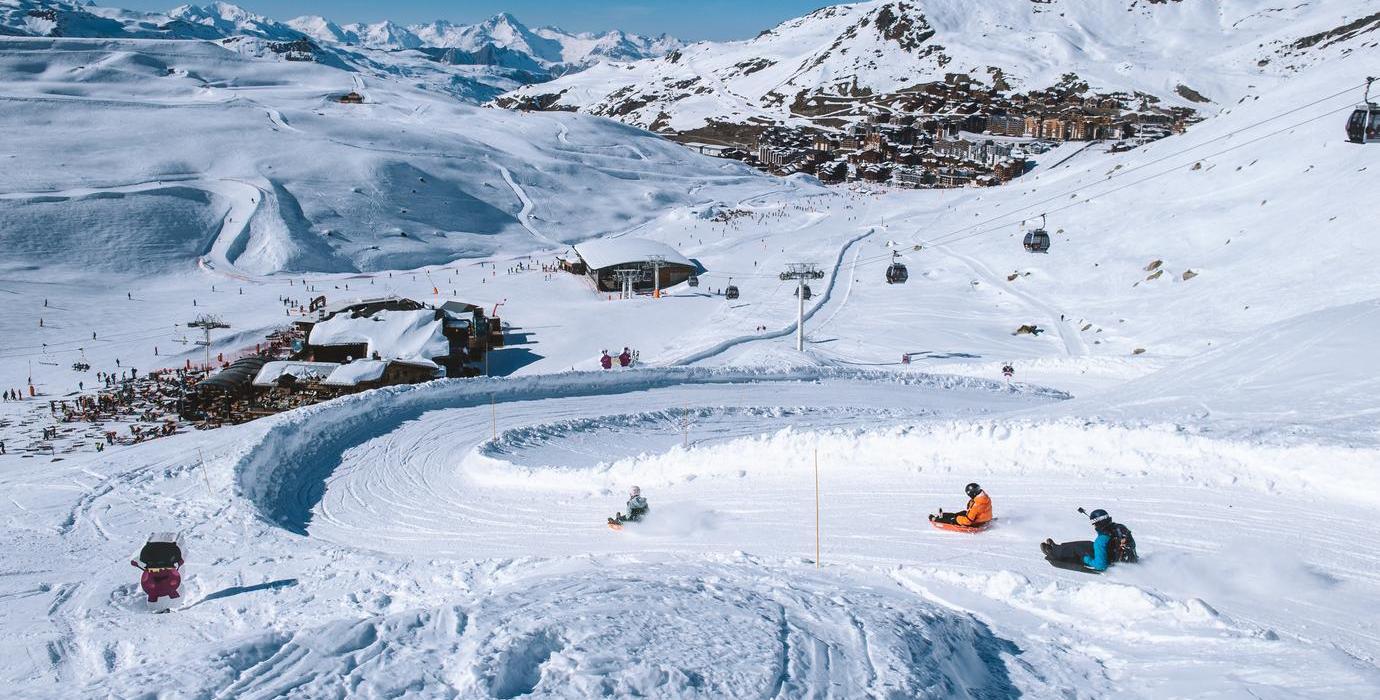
(842, 63)
(474, 62)
(548, 46)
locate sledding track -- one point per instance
(731, 537)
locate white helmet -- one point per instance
(634, 492)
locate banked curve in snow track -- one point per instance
(283, 472)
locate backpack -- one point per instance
(1122, 548)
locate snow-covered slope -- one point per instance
(296, 180)
(1209, 305)
(1178, 52)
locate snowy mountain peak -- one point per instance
(230, 19)
(841, 61)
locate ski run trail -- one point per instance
(1207, 376)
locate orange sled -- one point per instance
(951, 527)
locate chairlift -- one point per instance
(1037, 241)
(896, 272)
(694, 281)
(1364, 124)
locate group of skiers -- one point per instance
(1114, 543)
(625, 358)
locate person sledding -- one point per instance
(161, 558)
(637, 507)
(1114, 545)
(976, 516)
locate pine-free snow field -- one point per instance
(448, 540)
(389, 544)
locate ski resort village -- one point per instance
(889, 349)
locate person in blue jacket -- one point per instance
(1114, 544)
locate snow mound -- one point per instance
(624, 629)
(722, 631)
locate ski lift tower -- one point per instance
(657, 261)
(801, 272)
(626, 277)
(207, 323)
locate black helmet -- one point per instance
(972, 490)
(1099, 517)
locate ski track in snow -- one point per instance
(810, 312)
(525, 215)
(1073, 342)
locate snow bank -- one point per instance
(283, 473)
(1030, 448)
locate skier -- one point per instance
(1008, 372)
(605, 360)
(977, 514)
(1114, 544)
(625, 358)
(637, 507)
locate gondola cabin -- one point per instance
(1364, 125)
(731, 292)
(1037, 241)
(806, 294)
(693, 281)
(896, 272)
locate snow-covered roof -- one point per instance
(607, 252)
(358, 371)
(344, 304)
(271, 372)
(404, 335)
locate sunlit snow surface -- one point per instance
(448, 540)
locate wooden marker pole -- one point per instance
(202, 461)
(816, 507)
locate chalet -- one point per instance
(454, 337)
(232, 382)
(658, 265)
(372, 374)
(351, 98)
(912, 177)
(1009, 169)
(958, 149)
(1006, 125)
(955, 177)
(289, 373)
(1052, 128)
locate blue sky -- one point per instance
(689, 19)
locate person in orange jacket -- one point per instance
(978, 512)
